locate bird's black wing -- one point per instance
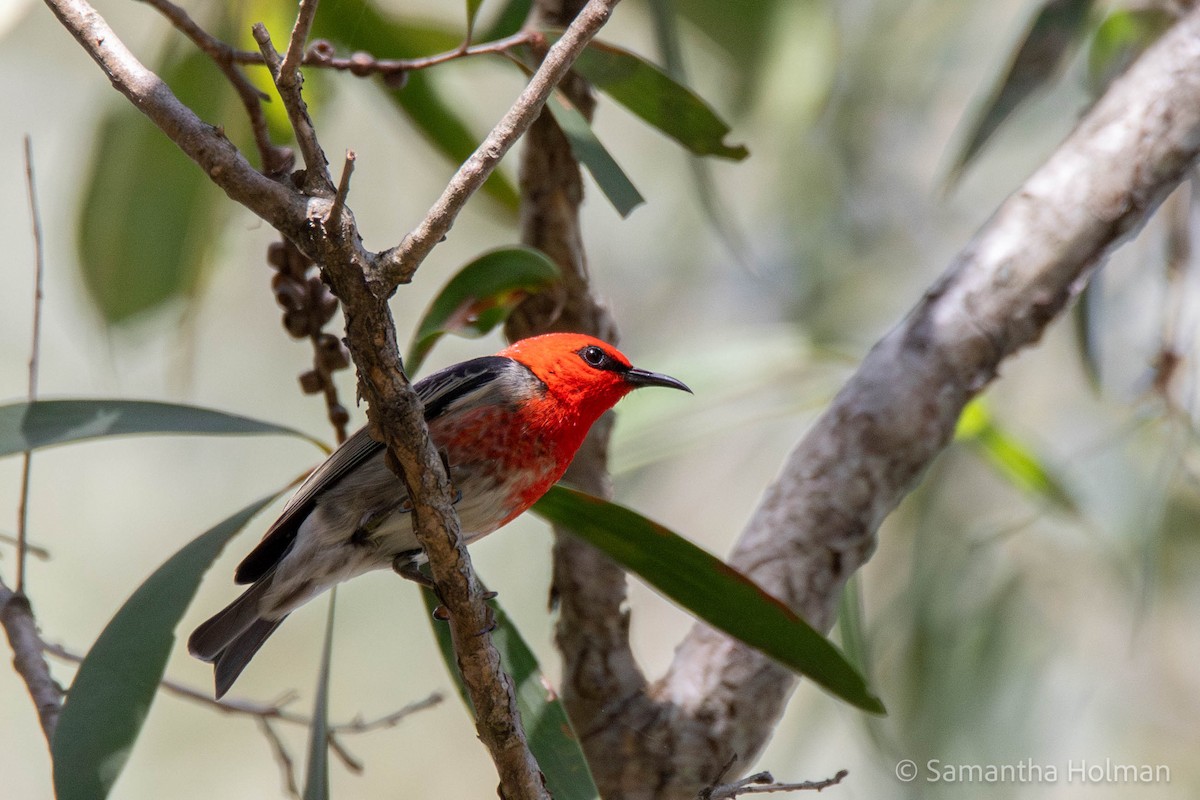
(437, 393)
(278, 538)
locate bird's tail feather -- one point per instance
(231, 637)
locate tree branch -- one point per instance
(363, 282)
(816, 524)
(399, 263)
(16, 616)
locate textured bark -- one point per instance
(816, 524)
(600, 673)
(326, 231)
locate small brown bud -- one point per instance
(296, 322)
(321, 51)
(338, 414)
(361, 63)
(277, 255)
(311, 382)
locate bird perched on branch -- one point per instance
(507, 426)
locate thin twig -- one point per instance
(271, 711)
(290, 69)
(317, 182)
(351, 763)
(321, 54)
(30, 548)
(400, 263)
(339, 199)
(276, 161)
(764, 783)
(287, 766)
(39, 269)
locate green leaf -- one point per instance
(116, 683)
(851, 625)
(480, 296)
(707, 588)
(1015, 462)
(1056, 30)
(509, 19)
(472, 12)
(361, 25)
(666, 34)
(316, 784)
(551, 737)
(741, 30)
(658, 99)
(1085, 325)
(609, 176)
(1121, 38)
(29, 426)
(147, 222)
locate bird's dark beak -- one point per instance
(640, 377)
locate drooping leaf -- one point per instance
(654, 96)
(551, 737)
(666, 34)
(316, 782)
(42, 423)
(707, 588)
(1084, 323)
(740, 29)
(1121, 38)
(509, 19)
(147, 221)
(658, 99)
(608, 174)
(472, 12)
(480, 296)
(1015, 462)
(1056, 30)
(362, 25)
(851, 627)
(116, 683)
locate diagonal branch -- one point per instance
(401, 262)
(363, 282)
(816, 524)
(16, 617)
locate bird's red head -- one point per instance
(584, 373)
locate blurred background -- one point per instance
(1042, 620)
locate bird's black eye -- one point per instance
(594, 356)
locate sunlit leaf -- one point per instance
(1016, 462)
(1056, 30)
(316, 782)
(707, 588)
(551, 737)
(42, 423)
(362, 25)
(608, 174)
(147, 221)
(480, 296)
(1120, 39)
(116, 683)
